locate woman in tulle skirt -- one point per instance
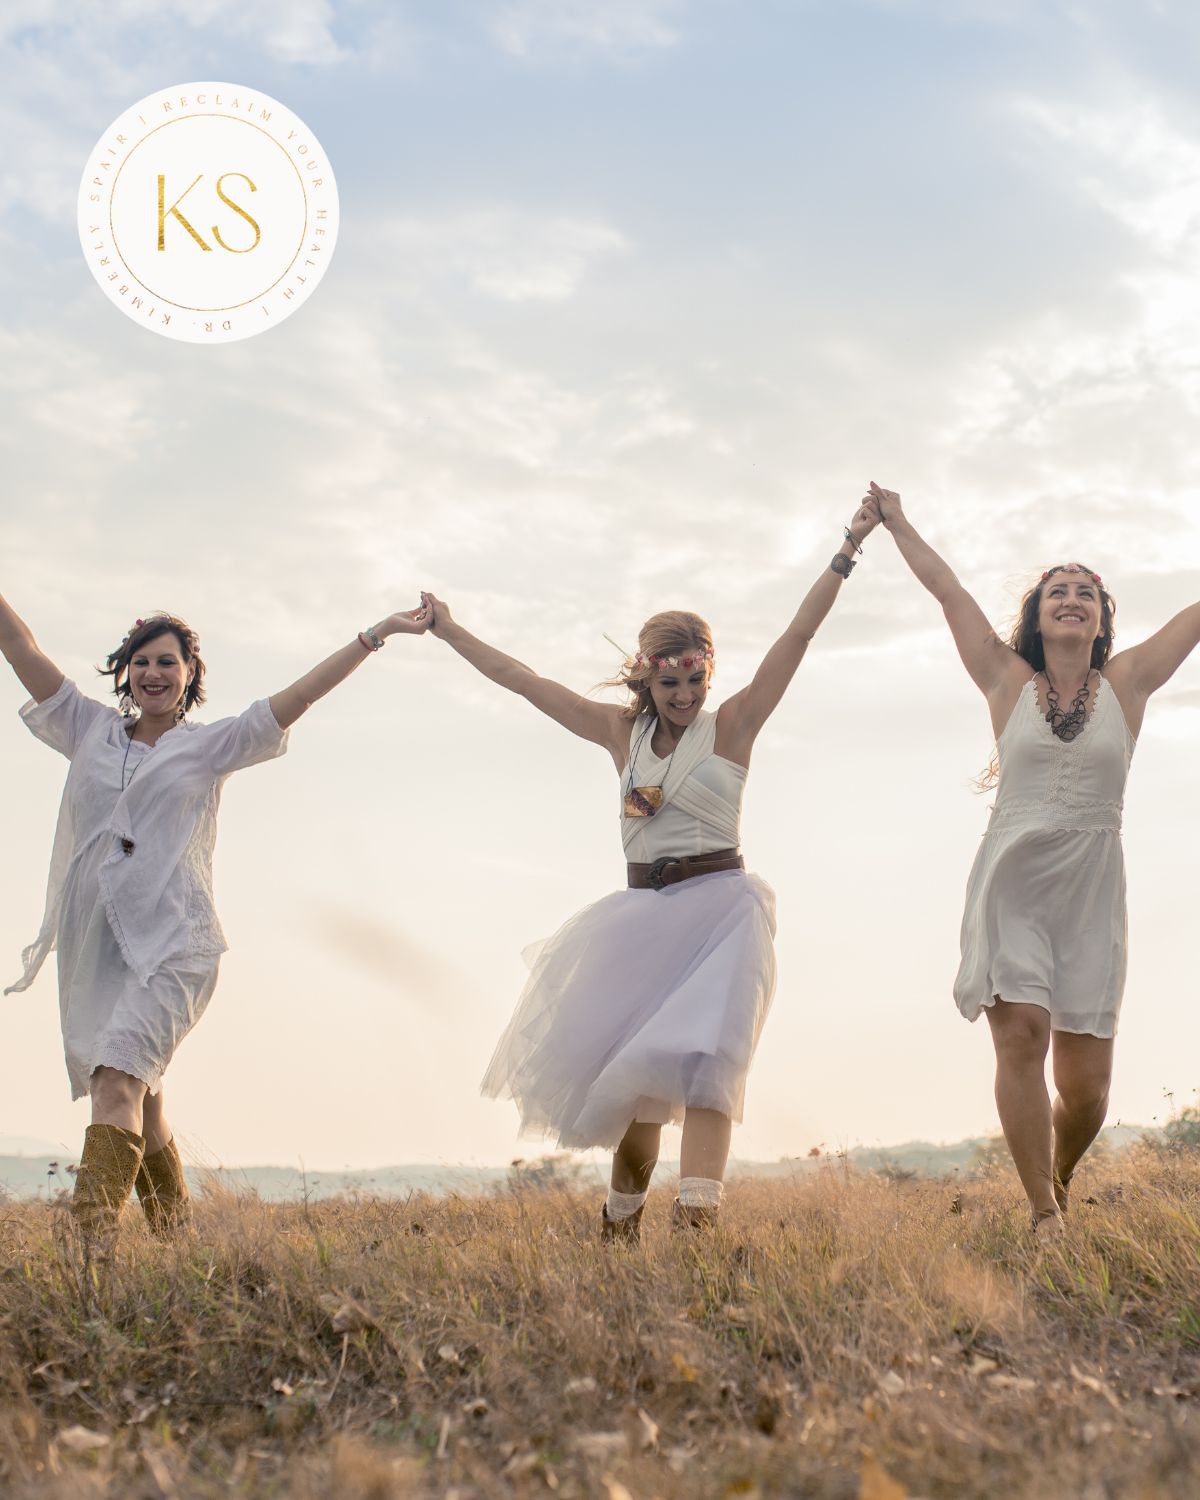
(645, 1008)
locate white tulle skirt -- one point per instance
(641, 1005)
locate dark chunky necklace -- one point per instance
(1067, 724)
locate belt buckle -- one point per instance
(655, 873)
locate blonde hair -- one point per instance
(674, 632)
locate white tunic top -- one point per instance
(1045, 913)
(702, 793)
(145, 852)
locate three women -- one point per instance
(647, 1006)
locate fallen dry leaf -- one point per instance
(891, 1384)
(582, 1386)
(82, 1440)
(450, 1354)
(601, 1445)
(1003, 1382)
(875, 1483)
(614, 1489)
(648, 1433)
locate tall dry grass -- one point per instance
(840, 1336)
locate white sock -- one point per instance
(700, 1192)
(622, 1205)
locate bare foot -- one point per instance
(1062, 1190)
(1048, 1227)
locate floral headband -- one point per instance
(641, 663)
(1072, 568)
(193, 640)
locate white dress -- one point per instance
(129, 902)
(649, 1001)
(1045, 912)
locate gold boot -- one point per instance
(104, 1178)
(620, 1231)
(163, 1191)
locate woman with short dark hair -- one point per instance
(1043, 933)
(129, 905)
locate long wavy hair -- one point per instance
(674, 632)
(1026, 640)
(117, 662)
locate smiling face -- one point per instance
(1070, 609)
(159, 676)
(679, 695)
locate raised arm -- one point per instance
(325, 676)
(991, 663)
(601, 723)
(1155, 661)
(741, 716)
(40, 678)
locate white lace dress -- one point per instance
(649, 1001)
(1045, 913)
(129, 903)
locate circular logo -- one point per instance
(208, 212)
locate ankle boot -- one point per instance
(163, 1191)
(626, 1231)
(687, 1217)
(105, 1175)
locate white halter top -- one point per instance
(702, 794)
(1046, 782)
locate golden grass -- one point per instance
(839, 1336)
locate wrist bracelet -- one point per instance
(842, 565)
(851, 540)
(370, 639)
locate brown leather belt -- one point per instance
(671, 869)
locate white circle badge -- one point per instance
(208, 212)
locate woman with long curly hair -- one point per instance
(645, 1008)
(129, 905)
(1043, 933)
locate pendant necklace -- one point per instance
(645, 801)
(1067, 724)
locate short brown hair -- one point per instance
(117, 662)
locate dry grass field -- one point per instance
(840, 1336)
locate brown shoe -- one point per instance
(104, 1178)
(163, 1191)
(621, 1231)
(688, 1217)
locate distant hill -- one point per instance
(40, 1174)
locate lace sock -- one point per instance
(700, 1192)
(622, 1205)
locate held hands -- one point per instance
(887, 502)
(866, 518)
(439, 613)
(409, 621)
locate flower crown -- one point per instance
(1072, 568)
(641, 663)
(193, 640)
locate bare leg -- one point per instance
(705, 1149)
(117, 1099)
(1082, 1073)
(1021, 1034)
(154, 1123)
(635, 1158)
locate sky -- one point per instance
(630, 300)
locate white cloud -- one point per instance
(534, 30)
(503, 253)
